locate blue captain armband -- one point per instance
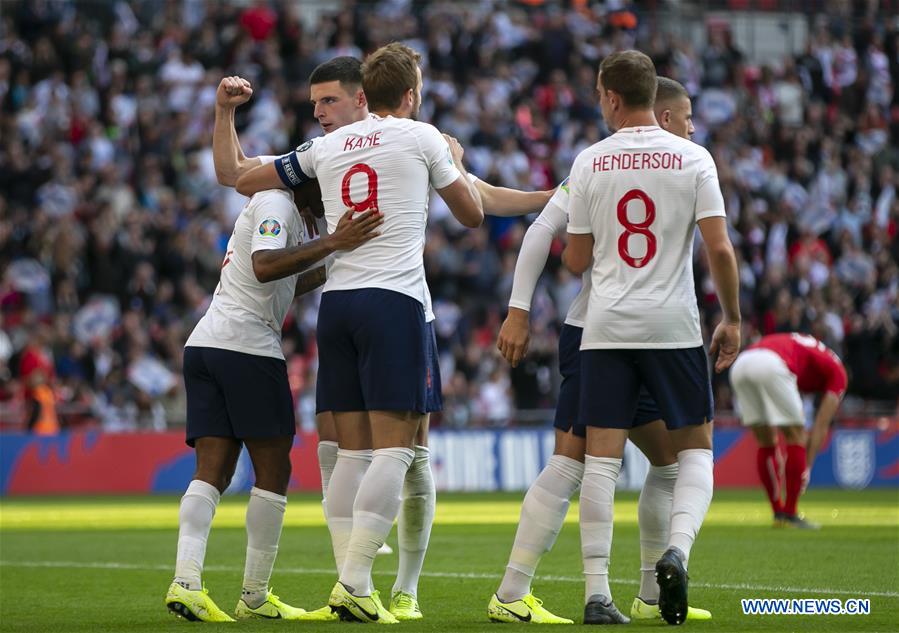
(288, 168)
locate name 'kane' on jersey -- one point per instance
(382, 163)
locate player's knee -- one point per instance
(793, 434)
(765, 435)
(219, 480)
(274, 476)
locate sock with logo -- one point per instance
(194, 520)
(265, 516)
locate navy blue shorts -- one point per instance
(567, 408)
(677, 379)
(373, 352)
(434, 386)
(232, 394)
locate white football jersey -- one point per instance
(246, 315)
(387, 164)
(640, 192)
(554, 218)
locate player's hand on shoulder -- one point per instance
(725, 344)
(352, 231)
(456, 149)
(514, 336)
(232, 92)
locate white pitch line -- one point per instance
(443, 574)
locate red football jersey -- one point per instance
(816, 367)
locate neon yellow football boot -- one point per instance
(325, 614)
(404, 606)
(359, 608)
(529, 610)
(194, 605)
(643, 611)
(271, 609)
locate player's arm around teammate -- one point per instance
(501, 201)
(274, 264)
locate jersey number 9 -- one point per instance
(371, 200)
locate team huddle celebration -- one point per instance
(367, 242)
(347, 211)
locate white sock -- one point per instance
(692, 496)
(415, 520)
(654, 517)
(327, 458)
(542, 514)
(349, 470)
(194, 520)
(597, 498)
(376, 507)
(265, 516)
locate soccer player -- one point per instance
(635, 200)
(238, 394)
(336, 92)
(546, 502)
(768, 378)
(371, 330)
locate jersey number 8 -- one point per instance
(636, 228)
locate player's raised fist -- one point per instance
(232, 92)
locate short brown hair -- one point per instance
(632, 75)
(387, 74)
(668, 90)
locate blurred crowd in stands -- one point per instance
(113, 227)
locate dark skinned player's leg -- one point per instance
(265, 513)
(216, 461)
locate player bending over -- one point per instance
(768, 379)
(636, 198)
(546, 502)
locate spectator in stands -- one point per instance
(109, 191)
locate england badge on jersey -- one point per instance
(854, 458)
(269, 227)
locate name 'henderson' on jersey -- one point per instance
(640, 193)
(385, 163)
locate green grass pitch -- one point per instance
(103, 564)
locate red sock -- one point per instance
(794, 469)
(766, 461)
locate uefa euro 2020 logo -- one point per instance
(270, 226)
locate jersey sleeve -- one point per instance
(709, 201)
(298, 166)
(273, 217)
(837, 381)
(441, 168)
(534, 250)
(578, 211)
